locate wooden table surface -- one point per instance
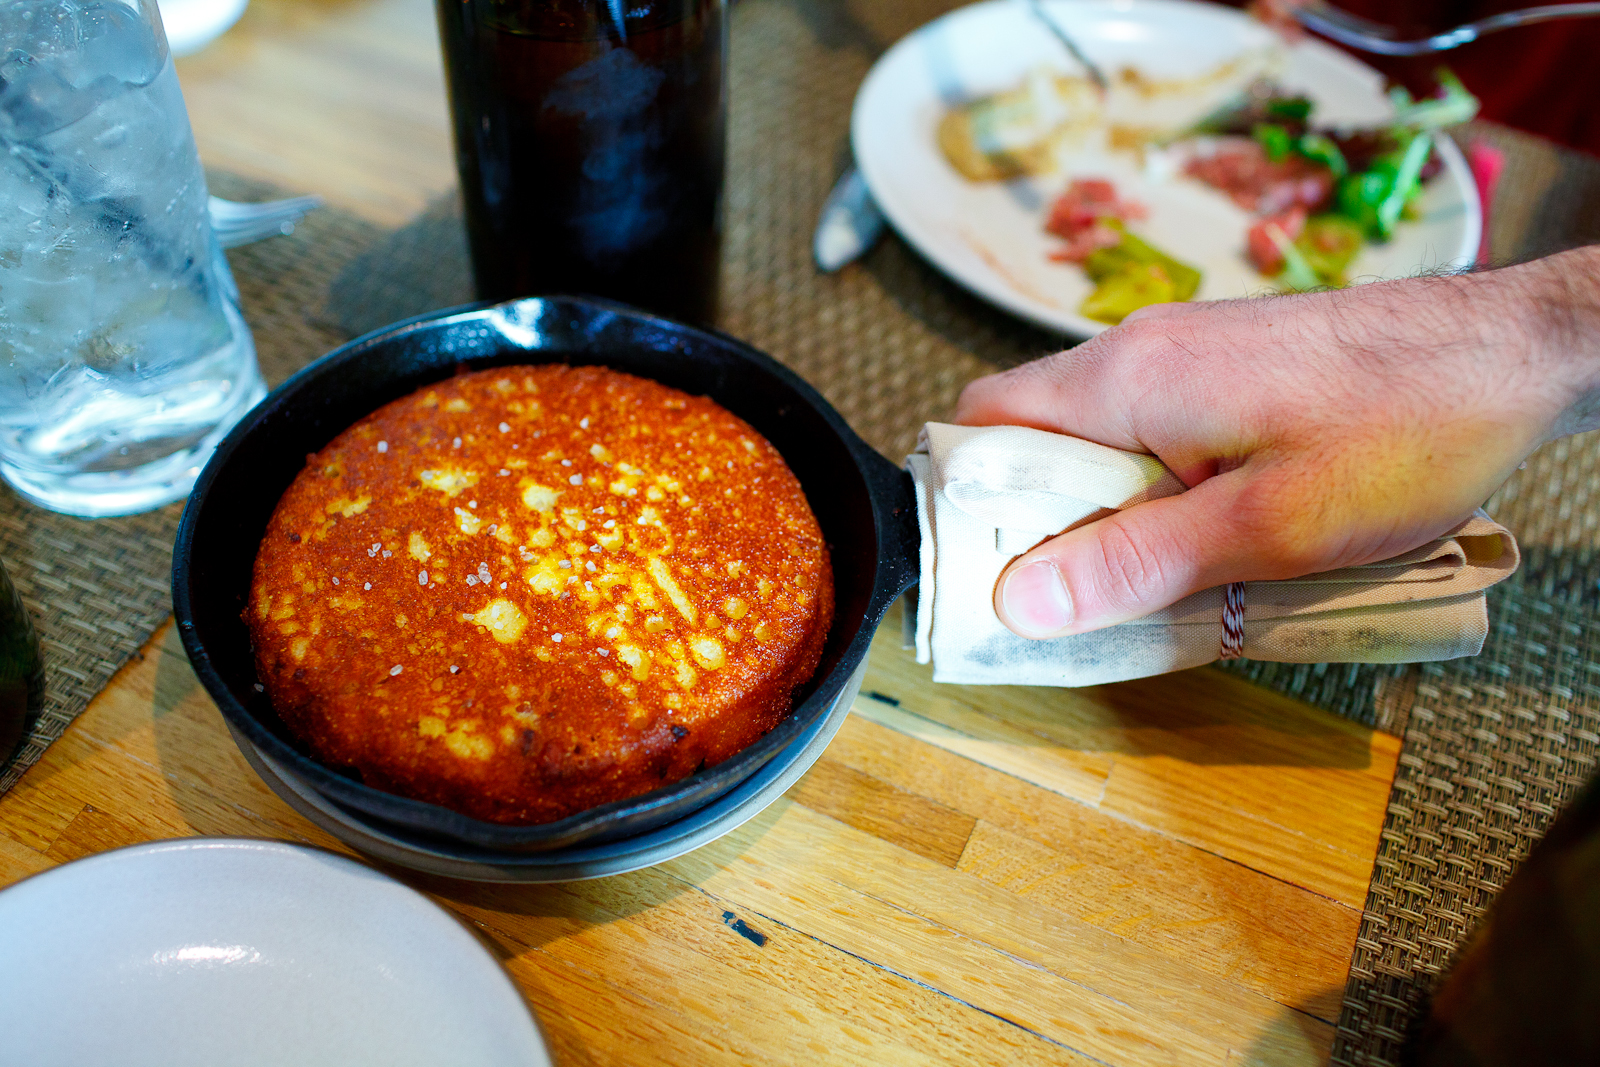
(1165, 871)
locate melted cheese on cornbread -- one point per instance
(527, 590)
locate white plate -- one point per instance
(193, 24)
(990, 236)
(722, 816)
(214, 951)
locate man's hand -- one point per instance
(1315, 431)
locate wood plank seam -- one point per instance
(938, 992)
(666, 1015)
(885, 968)
(841, 891)
(723, 903)
(1021, 961)
(686, 1022)
(937, 727)
(1234, 861)
(914, 1005)
(1109, 813)
(173, 777)
(1029, 964)
(901, 817)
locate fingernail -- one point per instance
(1036, 599)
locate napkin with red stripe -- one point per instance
(987, 494)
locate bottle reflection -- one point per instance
(21, 671)
(590, 141)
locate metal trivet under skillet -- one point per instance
(1493, 745)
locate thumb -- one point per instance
(1132, 563)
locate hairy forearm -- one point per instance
(1558, 298)
(1316, 430)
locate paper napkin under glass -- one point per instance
(985, 495)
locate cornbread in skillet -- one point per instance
(526, 591)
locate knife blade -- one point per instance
(849, 225)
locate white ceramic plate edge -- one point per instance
(197, 889)
(985, 279)
(190, 25)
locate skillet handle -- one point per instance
(894, 513)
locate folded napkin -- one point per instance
(987, 494)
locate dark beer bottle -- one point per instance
(21, 671)
(590, 141)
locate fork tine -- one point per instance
(1346, 20)
(1368, 36)
(1349, 30)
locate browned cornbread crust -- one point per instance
(526, 591)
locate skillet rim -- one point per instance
(893, 542)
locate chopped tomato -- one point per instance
(1080, 217)
(1263, 249)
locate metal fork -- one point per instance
(1098, 76)
(1374, 37)
(239, 224)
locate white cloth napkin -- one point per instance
(987, 494)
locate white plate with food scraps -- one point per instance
(989, 236)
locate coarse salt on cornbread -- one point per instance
(526, 591)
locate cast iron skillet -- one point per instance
(863, 503)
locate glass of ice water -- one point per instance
(123, 356)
